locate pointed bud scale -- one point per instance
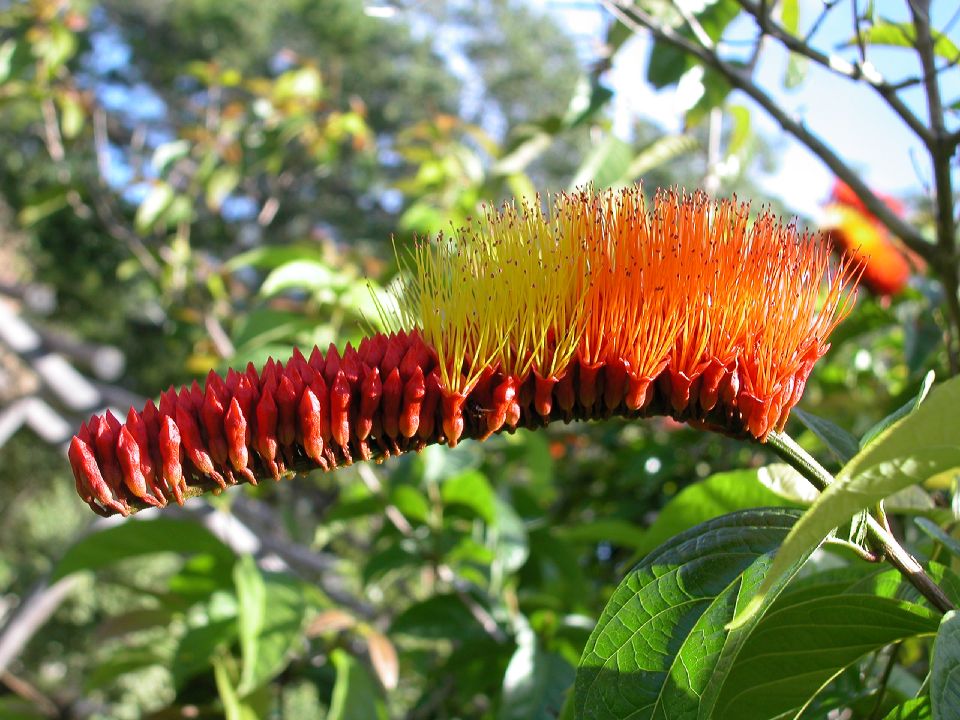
(310, 423)
(104, 440)
(588, 383)
(413, 395)
(351, 365)
(128, 454)
(138, 429)
(431, 402)
(170, 458)
(370, 391)
(502, 400)
(692, 309)
(212, 411)
(340, 411)
(331, 365)
(236, 430)
(565, 392)
(217, 383)
(196, 396)
(90, 483)
(710, 386)
(193, 444)
(543, 394)
(316, 360)
(168, 403)
(614, 384)
(298, 360)
(265, 442)
(252, 375)
(287, 400)
(451, 408)
(393, 354)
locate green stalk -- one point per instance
(879, 538)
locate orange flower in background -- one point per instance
(602, 307)
(848, 223)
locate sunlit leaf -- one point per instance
(800, 645)
(135, 538)
(660, 648)
(945, 669)
(271, 613)
(355, 694)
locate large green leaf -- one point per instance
(841, 444)
(802, 643)
(932, 424)
(135, 538)
(908, 407)
(945, 670)
(717, 495)
(660, 649)
(271, 614)
(913, 449)
(355, 694)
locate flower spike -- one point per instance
(601, 307)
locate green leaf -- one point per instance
(790, 16)
(271, 256)
(135, 538)
(235, 707)
(658, 153)
(222, 182)
(536, 681)
(511, 544)
(42, 205)
(901, 412)
(797, 67)
(660, 648)
(799, 646)
(168, 153)
(157, 200)
(471, 489)
(716, 495)
(741, 128)
(904, 35)
(120, 662)
(437, 618)
(605, 164)
(841, 444)
(916, 709)
(848, 496)
(310, 275)
(355, 694)
(786, 483)
(271, 614)
(616, 532)
(912, 450)
(411, 502)
(937, 533)
(945, 669)
(198, 646)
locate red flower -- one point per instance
(599, 309)
(848, 223)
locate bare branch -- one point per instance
(940, 150)
(841, 67)
(636, 19)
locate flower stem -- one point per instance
(879, 538)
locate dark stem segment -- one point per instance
(879, 538)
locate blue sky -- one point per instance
(849, 117)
